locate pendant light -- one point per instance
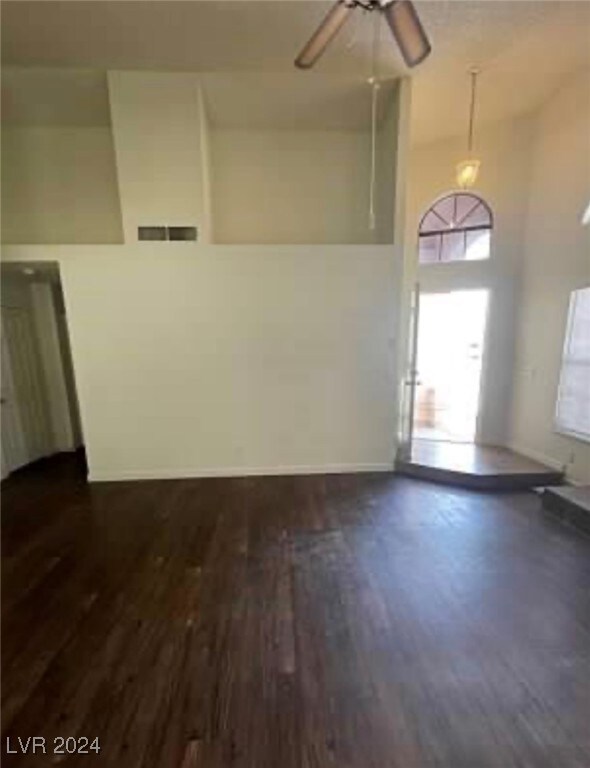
(467, 170)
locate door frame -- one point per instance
(484, 353)
(408, 383)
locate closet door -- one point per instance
(26, 430)
(14, 450)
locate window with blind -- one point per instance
(573, 397)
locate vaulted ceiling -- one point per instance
(526, 48)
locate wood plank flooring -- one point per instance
(570, 503)
(345, 621)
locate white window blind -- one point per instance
(573, 397)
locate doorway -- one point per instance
(40, 415)
(449, 357)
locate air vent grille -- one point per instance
(151, 233)
(182, 233)
(167, 233)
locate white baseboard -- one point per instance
(106, 475)
(536, 456)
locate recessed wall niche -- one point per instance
(89, 157)
(59, 179)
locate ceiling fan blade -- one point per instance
(408, 31)
(323, 35)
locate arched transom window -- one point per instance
(457, 227)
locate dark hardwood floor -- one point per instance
(364, 621)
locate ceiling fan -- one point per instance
(401, 16)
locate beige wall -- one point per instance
(386, 169)
(61, 403)
(230, 359)
(59, 185)
(556, 261)
(157, 127)
(163, 163)
(290, 186)
(197, 360)
(504, 151)
(304, 186)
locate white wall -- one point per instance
(206, 230)
(388, 139)
(200, 359)
(157, 130)
(59, 185)
(65, 437)
(67, 366)
(291, 186)
(556, 261)
(505, 153)
(306, 186)
(161, 162)
(231, 360)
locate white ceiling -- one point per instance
(291, 101)
(525, 47)
(195, 35)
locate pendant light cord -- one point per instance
(474, 73)
(374, 81)
(374, 91)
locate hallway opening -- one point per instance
(40, 413)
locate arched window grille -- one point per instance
(457, 227)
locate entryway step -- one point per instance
(481, 467)
(571, 503)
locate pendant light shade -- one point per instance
(330, 26)
(468, 170)
(408, 31)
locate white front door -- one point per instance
(450, 352)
